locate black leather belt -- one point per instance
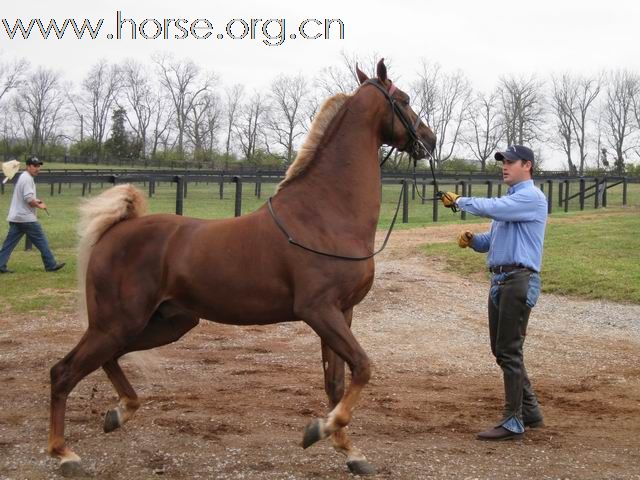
(508, 268)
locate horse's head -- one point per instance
(405, 130)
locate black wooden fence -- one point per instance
(423, 185)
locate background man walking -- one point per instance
(23, 221)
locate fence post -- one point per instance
(436, 202)
(463, 185)
(560, 193)
(84, 188)
(566, 196)
(238, 206)
(221, 188)
(596, 195)
(624, 191)
(581, 194)
(184, 187)
(424, 192)
(151, 184)
(259, 186)
(604, 193)
(179, 194)
(549, 197)
(52, 188)
(27, 244)
(489, 189)
(405, 201)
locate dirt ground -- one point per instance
(231, 402)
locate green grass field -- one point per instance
(590, 255)
(595, 258)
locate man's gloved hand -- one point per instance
(449, 199)
(465, 238)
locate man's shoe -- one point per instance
(537, 423)
(5, 270)
(56, 267)
(499, 433)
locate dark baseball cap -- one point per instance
(515, 152)
(34, 161)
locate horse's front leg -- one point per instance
(333, 367)
(333, 327)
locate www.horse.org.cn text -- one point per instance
(271, 31)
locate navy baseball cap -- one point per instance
(34, 161)
(515, 152)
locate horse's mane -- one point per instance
(323, 118)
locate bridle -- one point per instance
(413, 142)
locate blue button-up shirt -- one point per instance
(517, 231)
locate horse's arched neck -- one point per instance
(341, 185)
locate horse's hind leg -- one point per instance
(334, 387)
(160, 330)
(128, 398)
(92, 351)
(332, 326)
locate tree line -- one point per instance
(171, 108)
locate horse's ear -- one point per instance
(362, 77)
(381, 70)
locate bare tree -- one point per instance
(232, 100)
(99, 91)
(248, 128)
(563, 103)
(39, 105)
(161, 121)
(184, 85)
(442, 100)
(343, 78)
(572, 99)
(285, 117)
(11, 73)
(484, 131)
(618, 113)
(137, 92)
(522, 109)
(588, 90)
(204, 121)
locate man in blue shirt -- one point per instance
(514, 243)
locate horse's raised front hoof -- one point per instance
(111, 421)
(361, 467)
(312, 433)
(72, 468)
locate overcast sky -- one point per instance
(485, 39)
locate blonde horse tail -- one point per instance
(99, 214)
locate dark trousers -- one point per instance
(34, 232)
(511, 299)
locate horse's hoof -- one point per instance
(111, 421)
(312, 433)
(72, 468)
(361, 467)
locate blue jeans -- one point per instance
(34, 232)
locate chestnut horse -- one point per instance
(150, 279)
